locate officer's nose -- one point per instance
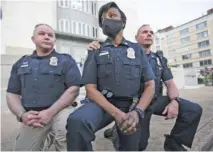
(46, 37)
(149, 34)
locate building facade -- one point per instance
(190, 45)
(74, 21)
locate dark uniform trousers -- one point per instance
(83, 123)
(186, 123)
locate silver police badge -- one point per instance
(131, 53)
(54, 61)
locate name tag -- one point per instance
(103, 53)
(24, 65)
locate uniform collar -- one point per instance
(34, 54)
(151, 55)
(108, 42)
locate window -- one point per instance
(83, 5)
(77, 5)
(185, 40)
(87, 4)
(96, 32)
(63, 3)
(64, 25)
(184, 31)
(93, 31)
(88, 30)
(205, 53)
(205, 62)
(187, 65)
(201, 25)
(0, 13)
(94, 8)
(203, 44)
(158, 47)
(79, 28)
(74, 27)
(84, 29)
(187, 56)
(202, 34)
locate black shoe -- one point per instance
(171, 144)
(108, 133)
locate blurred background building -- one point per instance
(189, 45)
(74, 21)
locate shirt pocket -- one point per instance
(132, 68)
(25, 74)
(105, 66)
(52, 74)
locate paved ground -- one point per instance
(203, 96)
(211, 148)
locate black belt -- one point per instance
(121, 98)
(35, 108)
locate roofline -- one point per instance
(67, 36)
(193, 20)
(184, 23)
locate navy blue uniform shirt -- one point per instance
(120, 70)
(160, 69)
(42, 80)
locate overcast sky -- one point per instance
(162, 13)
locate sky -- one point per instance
(162, 13)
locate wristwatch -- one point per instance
(140, 112)
(19, 116)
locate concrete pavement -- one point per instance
(159, 126)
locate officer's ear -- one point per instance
(136, 39)
(33, 39)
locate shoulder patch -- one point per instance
(23, 60)
(159, 53)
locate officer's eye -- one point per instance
(50, 35)
(41, 33)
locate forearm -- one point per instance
(172, 90)
(14, 103)
(99, 99)
(65, 100)
(147, 95)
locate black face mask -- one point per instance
(112, 27)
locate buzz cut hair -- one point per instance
(142, 27)
(41, 24)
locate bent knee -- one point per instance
(197, 109)
(74, 120)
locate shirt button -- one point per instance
(36, 68)
(117, 58)
(35, 79)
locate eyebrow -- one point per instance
(147, 31)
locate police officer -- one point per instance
(171, 106)
(112, 77)
(41, 88)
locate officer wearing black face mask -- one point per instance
(112, 76)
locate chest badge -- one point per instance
(54, 61)
(131, 53)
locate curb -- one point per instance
(204, 138)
